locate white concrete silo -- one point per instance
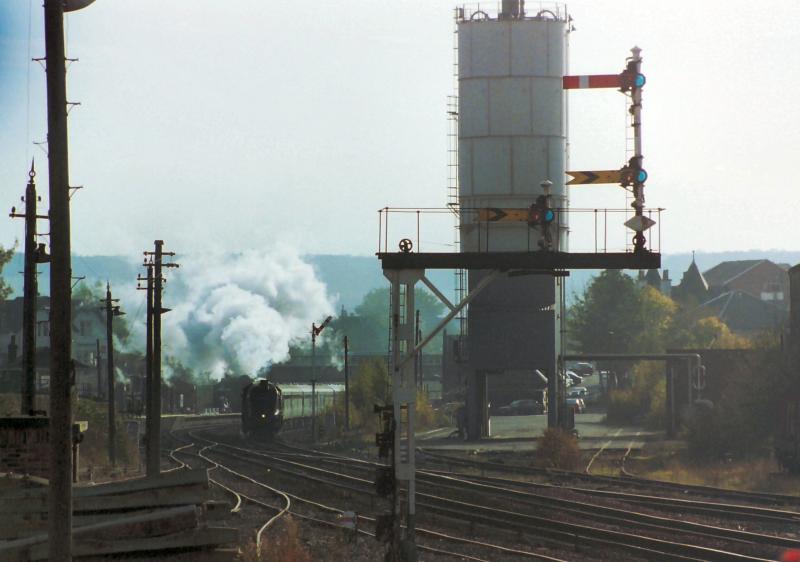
(512, 132)
(511, 137)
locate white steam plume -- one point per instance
(241, 312)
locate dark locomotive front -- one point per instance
(262, 409)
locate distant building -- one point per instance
(761, 279)
(88, 326)
(659, 281)
(693, 288)
(743, 313)
(750, 296)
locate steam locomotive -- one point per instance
(267, 407)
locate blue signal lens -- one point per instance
(641, 176)
(639, 80)
(549, 215)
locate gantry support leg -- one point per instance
(403, 352)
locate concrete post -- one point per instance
(61, 366)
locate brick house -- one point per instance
(762, 279)
(750, 296)
(88, 326)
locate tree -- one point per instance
(375, 305)
(368, 328)
(656, 312)
(608, 318)
(5, 257)
(90, 297)
(371, 385)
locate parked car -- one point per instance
(521, 408)
(583, 369)
(578, 392)
(574, 377)
(576, 404)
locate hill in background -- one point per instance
(349, 278)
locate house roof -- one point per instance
(653, 278)
(743, 312)
(725, 272)
(693, 282)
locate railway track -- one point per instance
(531, 513)
(209, 447)
(626, 482)
(704, 508)
(781, 518)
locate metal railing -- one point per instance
(531, 10)
(589, 231)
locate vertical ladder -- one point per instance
(453, 202)
(629, 152)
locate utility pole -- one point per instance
(60, 496)
(98, 360)
(34, 254)
(150, 391)
(111, 311)
(314, 410)
(418, 359)
(61, 365)
(154, 392)
(346, 387)
(416, 341)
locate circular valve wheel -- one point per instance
(406, 245)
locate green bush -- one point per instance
(644, 400)
(94, 448)
(558, 449)
(741, 421)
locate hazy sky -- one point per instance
(236, 124)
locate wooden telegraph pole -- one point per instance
(152, 466)
(60, 496)
(155, 280)
(346, 386)
(111, 311)
(99, 371)
(61, 365)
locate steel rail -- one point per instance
(722, 493)
(283, 511)
(237, 497)
(685, 505)
(745, 512)
(557, 527)
(611, 515)
(421, 531)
